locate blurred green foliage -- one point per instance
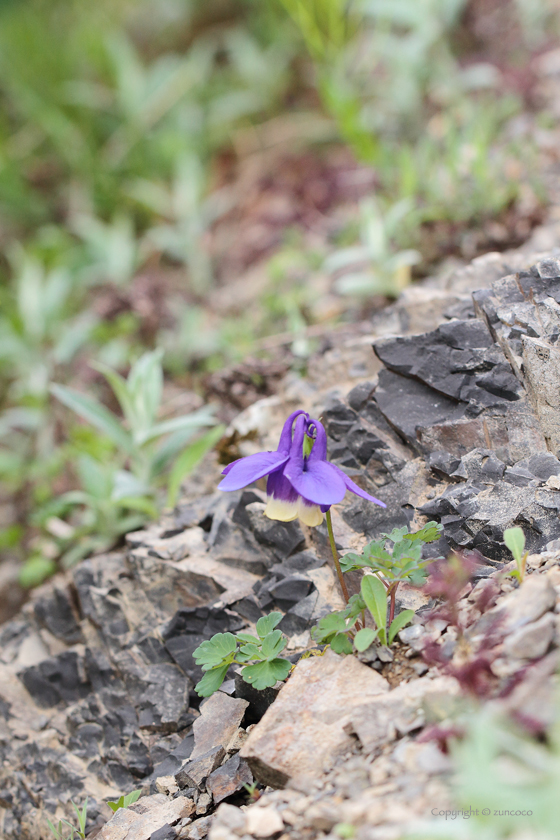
(117, 123)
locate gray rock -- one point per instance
(534, 597)
(305, 727)
(220, 718)
(194, 772)
(228, 779)
(532, 640)
(263, 822)
(147, 816)
(399, 711)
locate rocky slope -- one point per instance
(452, 417)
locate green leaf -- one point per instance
(35, 570)
(114, 806)
(203, 417)
(375, 596)
(273, 644)
(364, 638)
(212, 652)
(429, 533)
(55, 831)
(120, 389)
(267, 623)
(514, 538)
(82, 815)
(247, 637)
(94, 413)
(211, 681)
(95, 478)
(266, 674)
(328, 626)
(144, 385)
(341, 644)
(397, 534)
(418, 576)
(377, 551)
(188, 460)
(351, 561)
(402, 619)
(404, 549)
(131, 797)
(250, 651)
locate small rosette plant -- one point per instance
(346, 630)
(216, 655)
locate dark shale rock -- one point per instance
(220, 718)
(193, 773)
(229, 778)
(57, 614)
(282, 537)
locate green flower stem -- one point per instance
(335, 557)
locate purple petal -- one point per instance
(286, 435)
(296, 448)
(355, 489)
(246, 470)
(229, 466)
(319, 451)
(279, 487)
(319, 483)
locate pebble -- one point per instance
(263, 822)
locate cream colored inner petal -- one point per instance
(282, 510)
(311, 515)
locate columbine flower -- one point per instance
(299, 484)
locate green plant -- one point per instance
(124, 801)
(40, 329)
(217, 654)
(145, 446)
(514, 538)
(80, 831)
(346, 629)
(375, 266)
(403, 562)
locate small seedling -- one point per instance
(346, 629)
(80, 831)
(125, 801)
(251, 789)
(217, 654)
(403, 563)
(514, 538)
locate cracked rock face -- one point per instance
(96, 673)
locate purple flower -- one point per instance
(299, 484)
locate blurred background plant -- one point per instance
(220, 179)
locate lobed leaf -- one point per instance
(429, 533)
(273, 644)
(212, 652)
(328, 626)
(247, 637)
(267, 673)
(250, 651)
(211, 681)
(341, 644)
(267, 623)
